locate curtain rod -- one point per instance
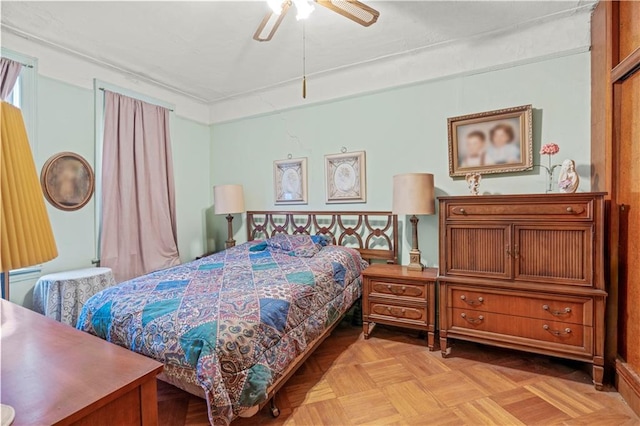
(21, 63)
(170, 109)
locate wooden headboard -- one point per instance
(373, 234)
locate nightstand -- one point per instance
(205, 255)
(394, 295)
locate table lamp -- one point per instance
(26, 238)
(228, 199)
(413, 194)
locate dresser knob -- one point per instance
(569, 209)
(473, 320)
(557, 332)
(471, 301)
(462, 210)
(555, 312)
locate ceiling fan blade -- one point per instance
(270, 24)
(352, 9)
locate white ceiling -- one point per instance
(205, 49)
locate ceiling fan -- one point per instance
(356, 11)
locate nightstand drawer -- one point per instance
(528, 328)
(414, 291)
(575, 310)
(403, 313)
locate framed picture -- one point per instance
(346, 177)
(67, 181)
(290, 181)
(491, 142)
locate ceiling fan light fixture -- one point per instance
(304, 8)
(276, 6)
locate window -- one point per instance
(23, 96)
(24, 93)
(15, 97)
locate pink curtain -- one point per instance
(9, 73)
(138, 202)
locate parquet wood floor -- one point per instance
(392, 379)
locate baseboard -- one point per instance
(628, 384)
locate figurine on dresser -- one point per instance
(568, 180)
(473, 182)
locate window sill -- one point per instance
(24, 274)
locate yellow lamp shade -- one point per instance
(26, 238)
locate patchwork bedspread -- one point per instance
(230, 323)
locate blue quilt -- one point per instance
(232, 322)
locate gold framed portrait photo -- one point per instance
(497, 141)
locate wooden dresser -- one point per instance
(394, 295)
(525, 272)
(53, 374)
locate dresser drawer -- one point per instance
(571, 210)
(412, 291)
(529, 328)
(574, 310)
(392, 311)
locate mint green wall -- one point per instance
(405, 130)
(65, 122)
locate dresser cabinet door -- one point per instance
(479, 250)
(554, 254)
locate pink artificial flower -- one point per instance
(549, 149)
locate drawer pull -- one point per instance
(462, 211)
(557, 332)
(471, 319)
(396, 290)
(556, 312)
(471, 301)
(569, 209)
(396, 314)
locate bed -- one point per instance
(234, 326)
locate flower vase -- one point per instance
(550, 169)
(549, 181)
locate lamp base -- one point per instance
(414, 261)
(230, 241)
(4, 280)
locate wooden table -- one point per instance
(62, 295)
(56, 375)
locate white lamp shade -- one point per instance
(413, 193)
(228, 199)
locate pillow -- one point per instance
(260, 246)
(300, 245)
(321, 240)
